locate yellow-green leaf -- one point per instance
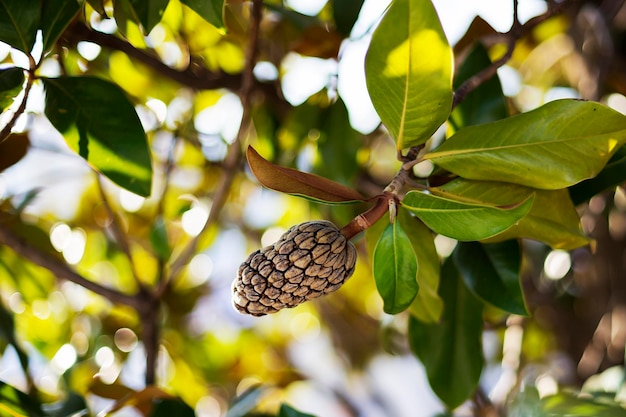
(409, 72)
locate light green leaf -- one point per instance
(427, 305)
(465, 220)
(560, 231)
(209, 10)
(491, 271)
(451, 350)
(55, 16)
(409, 72)
(395, 269)
(555, 146)
(101, 125)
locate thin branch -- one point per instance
(6, 130)
(60, 269)
(118, 234)
(516, 32)
(234, 155)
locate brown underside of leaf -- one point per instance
(292, 181)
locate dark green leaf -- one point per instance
(11, 81)
(73, 405)
(19, 21)
(287, 411)
(427, 305)
(55, 16)
(555, 146)
(338, 144)
(7, 333)
(484, 104)
(18, 403)
(168, 407)
(100, 123)
(209, 10)
(465, 220)
(149, 12)
(614, 173)
(345, 13)
(491, 271)
(451, 350)
(408, 70)
(395, 269)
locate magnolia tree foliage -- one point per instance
(139, 140)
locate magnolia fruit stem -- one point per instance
(366, 219)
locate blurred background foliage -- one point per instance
(308, 109)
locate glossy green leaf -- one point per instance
(100, 123)
(492, 273)
(566, 404)
(409, 72)
(451, 350)
(560, 231)
(209, 10)
(287, 411)
(614, 173)
(11, 81)
(15, 403)
(168, 407)
(19, 21)
(427, 305)
(395, 269)
(148, 12)
(465, 220)
(292, 181)
(484, 104)
(345, 14)
(557, 145)
(55, 16)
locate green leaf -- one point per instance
(168, 407)
(287, 411)
(19, 21)
(159, 239)
(209, 10)
(484, 104)
(566, 404)
(345, 14)
(451, 350)
(526, 403)
(560, 231)
(73, 405)
(408, 72)
(395, 269)
(100, 123)
(557, 145)
(15, 403)
(55, 16)
(614, 173)
(465, 220)
(7, 333)
(491, 272)
(292, 181)
(11, 81)
(149, 12)
(427, 305)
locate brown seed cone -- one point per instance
(309, 260)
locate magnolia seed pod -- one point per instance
(309, 260)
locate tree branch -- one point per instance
(61, 270)
(514, 34)
(234, 155)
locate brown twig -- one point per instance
(234, 155)
(60, 269)
(514, 34)
(6, 130)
